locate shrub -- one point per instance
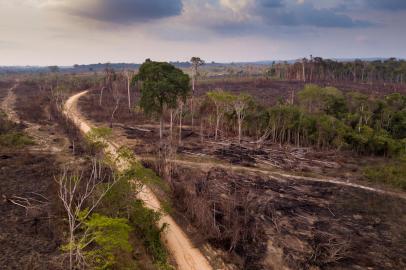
(111, 237)
(15, 139)
(145, 222)
(393, 174)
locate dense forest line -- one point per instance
(317, 69)
(324, 118)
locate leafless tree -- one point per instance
(181, 104)
(116, 97)
(108, 81)
(196, 63)
(129, 74)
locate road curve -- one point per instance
(179, 245)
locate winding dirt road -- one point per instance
(186, 255)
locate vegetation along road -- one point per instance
(186, 255)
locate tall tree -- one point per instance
(240, 104)
(128, 75)
(222, 101)
(163, 85)
(196, 63)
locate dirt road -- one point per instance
(186, 255)
(7, 105)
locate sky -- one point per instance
(67, 32)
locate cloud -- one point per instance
(391, 5)
(122, 11)
(305, 14)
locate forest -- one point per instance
(317, 69)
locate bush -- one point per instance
(393, 174)
(111, 237)
(120, 202)
(15, 139)
(145, 222)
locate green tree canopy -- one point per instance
(162, 85)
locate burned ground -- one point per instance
(30, 235)
(30, 238)
(269, 92)
(262, 220)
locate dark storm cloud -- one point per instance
(128, 11)
(387, 4)
(270, 3)
(306, 14)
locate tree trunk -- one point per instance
(171, 126)
(239, 130)
(180, 124)
(113, 113)
(161, 126)
(217, 124)
(101, 96)
(201, 131)
(129, 93)
(192, 99)
(304, 71)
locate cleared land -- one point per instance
(259, 220)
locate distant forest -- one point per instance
(313, 69)
(317, 69)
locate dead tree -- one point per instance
(101, 95)
(116, 98)
(196, 63)
(129, 75)
(180, 120)
(109, 77)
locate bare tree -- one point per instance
(129, 74)
(240, 104)
(109, 76)
(304, 62)
(180, 120)
(80, 197)
(196, 63)
(221, 101)
(116, 97)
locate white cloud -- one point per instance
(237, 5)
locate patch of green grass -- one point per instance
(15, 139)
(392, 174)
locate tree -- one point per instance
(316, 99)
(181, 103)
(240, 104)
(196, 63)
(116, 98)
(53, 69)
(162, 86)
(129, 75)
(222, 101)
(80, 198)
(109, 77)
